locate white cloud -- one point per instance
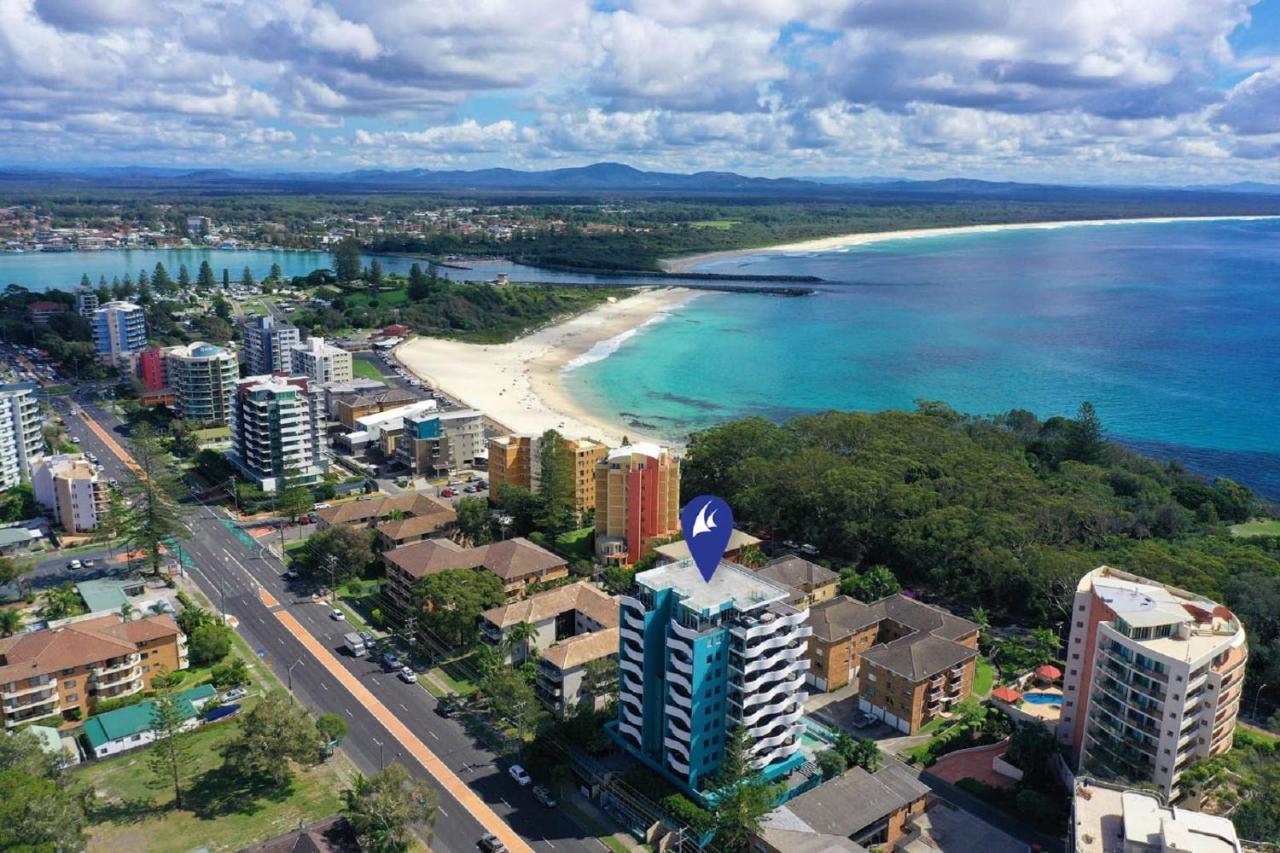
(1128, 89)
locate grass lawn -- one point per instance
(933, 725)
(576, 543)
(213, 434)
(452, 674)
(983, 677)
(365, 370)
(1257, 527)
(587, 822)
(719, 224)
(132, 812)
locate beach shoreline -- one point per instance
(844, 241)
(520, 386)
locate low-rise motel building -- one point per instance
(66, 670)
(399, 520)
(517, 562)
(912, 661)
(571, 625)
(1154, 679)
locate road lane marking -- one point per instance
(433, 734)
(403, 708)
(324, 686)
(268, 599)
(447, 779)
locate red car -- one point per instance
(448, 493)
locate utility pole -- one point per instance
(290, 678)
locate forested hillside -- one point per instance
(1005, 513)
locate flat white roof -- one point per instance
(643, 448)
(731, 584)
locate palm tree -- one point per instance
(486, 659)
(10, 622)
(61, 602)
(520, 638)
(866, 754)
(157, 608)
(126, 611)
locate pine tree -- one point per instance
(346, 260)
(226, 278)
(419, 288)
(375, 274)
(246, 278)
(744, 797)
(1084, 437)
(156, 515)
(85, 283)
(555, 485)
(184, 277)
(171, 754)
(204, 278)
(160, 279)
(276, 273)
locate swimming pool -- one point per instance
(1043, 698)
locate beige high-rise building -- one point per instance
(203, 378)
(637, 501)
(320, 361)
(69, 485)
(515, 459)
(1153, 679)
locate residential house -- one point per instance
(913, 661)
(133, 726)
(518, 563)
(68, 669)
(869, 809)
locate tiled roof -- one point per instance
(840, 617)
(797, 572)
(582, 597)
(576, 651)
(331, 835)
(918, 656)
(679, 550)
(849, 803)
(414, 505)
(77, 644)
(417, 526)
(509, 560)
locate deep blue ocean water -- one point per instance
(1172, 330)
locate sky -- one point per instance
(1080, 91)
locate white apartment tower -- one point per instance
(267, 345)
(276, 432)
(69, 486)
(1153, 679)
(21, 442)
(699, 658)
(321, 362)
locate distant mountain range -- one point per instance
(593, 179)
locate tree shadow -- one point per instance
(222, 791)
(133, 810)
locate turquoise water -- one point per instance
(1171, 330)
(1043, 698)
(62, 270)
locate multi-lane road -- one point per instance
(231, 568)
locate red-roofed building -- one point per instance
(41, 311)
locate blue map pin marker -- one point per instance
(708, 523)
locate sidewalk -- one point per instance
(598, 823)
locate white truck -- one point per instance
(354, 644)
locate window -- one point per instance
(73, 697)
(1075, 656)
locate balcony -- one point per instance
(675, 712)
(631, 716)
(630, 731)
(681, 666)
(30, 688)
(675, 744)
(30, 700)
(675, 678)
(100, 683)
(676, 764)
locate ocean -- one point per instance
(1172, 330)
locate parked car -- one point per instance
(518, 773)
(390, 662)
(491, 844)
(234, 694)
(542, 794)
(291, 575)
(367, 637)
(337, 615)
(447, 493)
(88, 564)
(862, 719)
(471, 490)
(408, 676)
(446, 708)
(481, 485)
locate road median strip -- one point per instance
(415, 747)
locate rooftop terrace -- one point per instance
(730, 587)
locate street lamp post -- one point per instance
(1257, 694)
(290, 678)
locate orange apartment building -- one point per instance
(67, 670)
(912, 661)
(637, 501)
(514, 459)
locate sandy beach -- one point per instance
(519, 384)
(844, 241)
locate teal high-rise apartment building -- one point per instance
(699, 658)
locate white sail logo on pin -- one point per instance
(703, 523)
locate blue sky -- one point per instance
(1161, 91)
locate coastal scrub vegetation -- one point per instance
(1003, 512)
